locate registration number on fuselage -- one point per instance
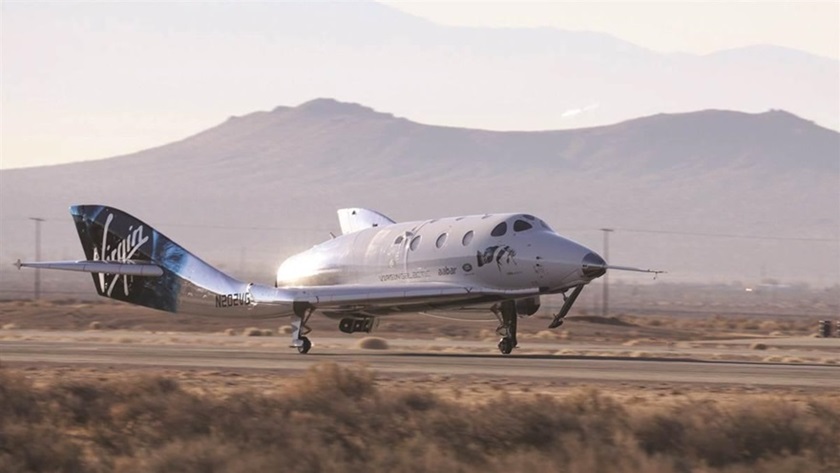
(233, 300)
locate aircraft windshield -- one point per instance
(521, 226)
(500, 230)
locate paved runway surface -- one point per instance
(546, 367)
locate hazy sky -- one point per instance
(666, 26)
(93, 80)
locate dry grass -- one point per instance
(253, 332)
(340, 419)
(546, 335)
(726, 324)
(95, 325)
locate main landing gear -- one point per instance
(299, 328)
(305, 346)
(357, 324)
(507, 327)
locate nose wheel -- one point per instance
(506, 346)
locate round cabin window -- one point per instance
(440, 240)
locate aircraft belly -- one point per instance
(395, 307)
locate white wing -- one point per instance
(378, 298)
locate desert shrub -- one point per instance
(18, 400)
(416, 400)
(205, 454)
(372, 343)
(38, 448)
(739, 434)
(83, 402)
(339, 419)
(769, 326)
(331, 381)
(252, 332)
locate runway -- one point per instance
(281, 360)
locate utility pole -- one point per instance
(606, 295)
(37, 255)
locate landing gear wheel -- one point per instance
(307, 345)
(507, 316)
(506, 346)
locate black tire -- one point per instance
(505, 346)
(307, 345)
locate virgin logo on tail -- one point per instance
(121, 253)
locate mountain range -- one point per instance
(161, 71)
(711, 195)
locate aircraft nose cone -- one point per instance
(593, 266)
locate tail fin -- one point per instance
(187, 284)
(355, 219)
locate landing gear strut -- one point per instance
(507, 327)
(299, 328)
(567, 305)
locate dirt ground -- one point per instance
(110, 315)
(634, 336)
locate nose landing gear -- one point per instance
(567, 305)
(506, 346)
(506, 313)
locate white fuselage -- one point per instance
(505, 251)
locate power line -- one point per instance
(37, 221)
(725, 235)
(606, 296)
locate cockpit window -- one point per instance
(545, 225)
(398, 240)
(467, 238)
(500, 230)
(521, 226)
(415, 242)
(530, 217)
